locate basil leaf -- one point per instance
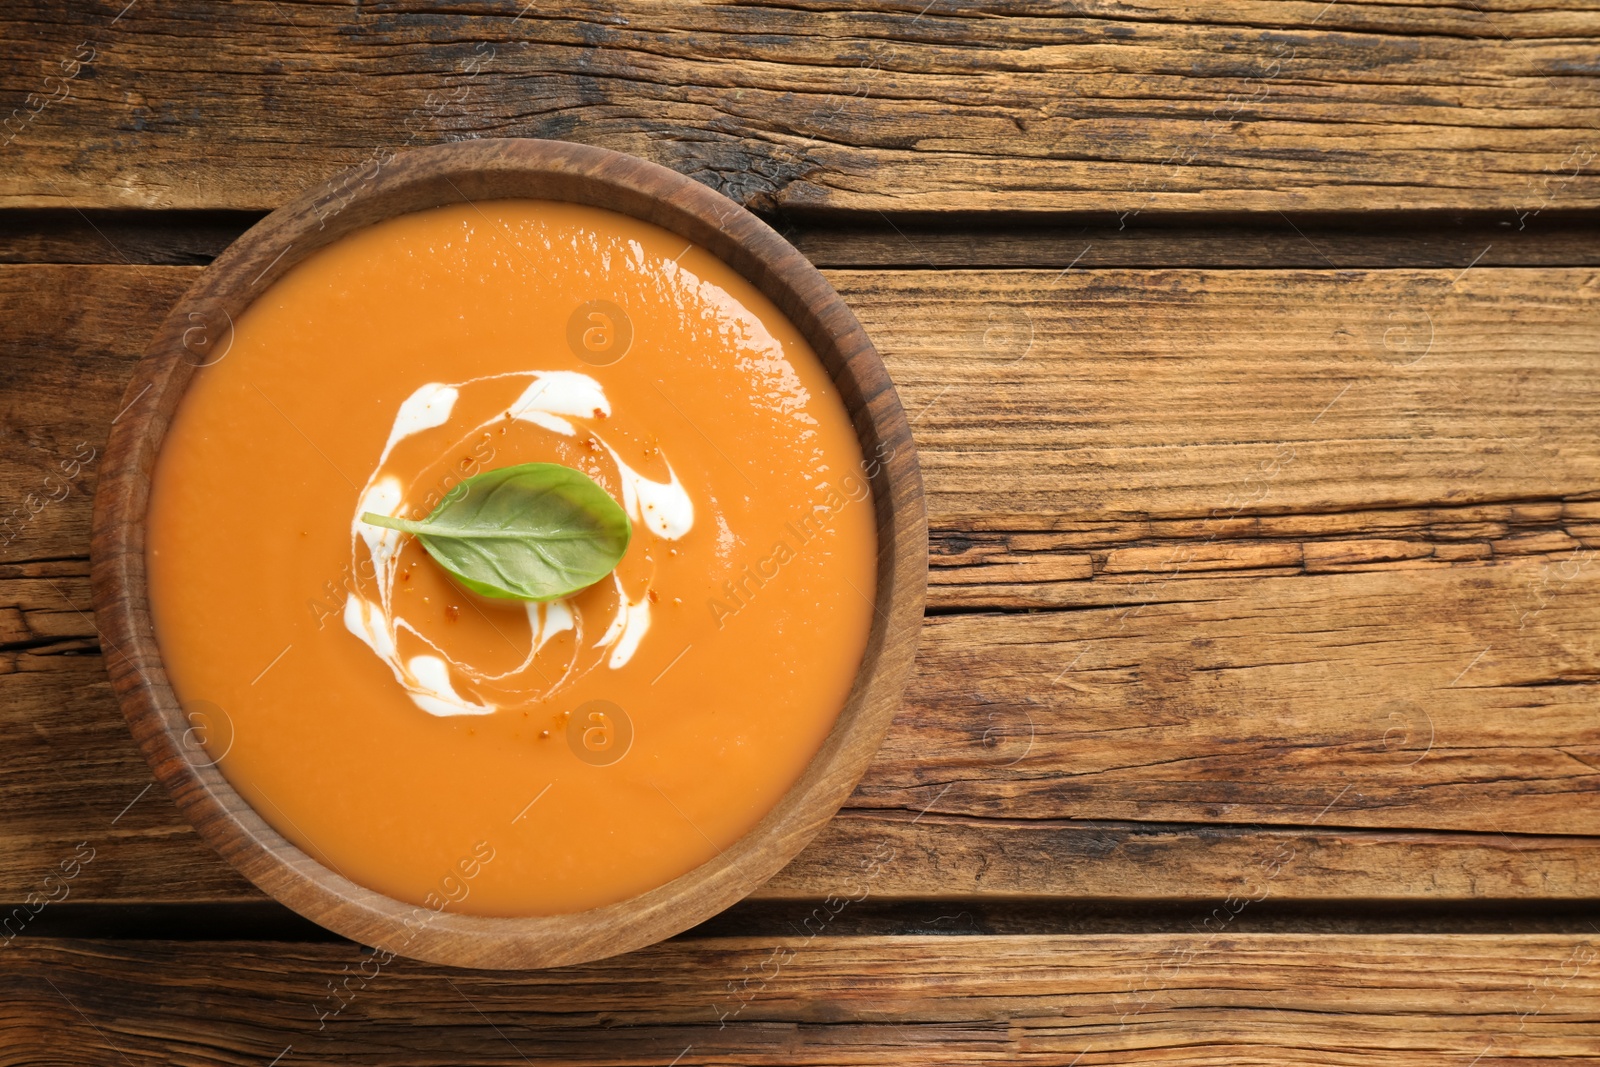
(535, 531)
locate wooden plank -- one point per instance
(1409, 698)
(1193, 393)
(1452, 698)
(989, 756)
(1044, 399)
(55, 703)
(1244, 105)
(1179, 999)
(1436, 697)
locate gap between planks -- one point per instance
(906, 241)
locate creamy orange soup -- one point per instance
(501, 757)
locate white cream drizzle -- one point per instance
(549, 619)
(636, 623)
(663, 507)
(424, 409)
(560, 392)
(628, 626)
(552, 400)
(433, 692)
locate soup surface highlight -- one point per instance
(501, 757)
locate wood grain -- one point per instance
(1044, 400)
(1217, 633)
(1144, 394)
(1180, 999)
(825, 106)
(1210, 671)
(1048, 842)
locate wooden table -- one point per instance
(1252, 353)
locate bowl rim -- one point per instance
(200, 324)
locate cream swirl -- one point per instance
(439, 419)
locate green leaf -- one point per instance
(535, 531)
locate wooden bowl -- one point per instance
(199, 328)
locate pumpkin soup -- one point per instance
(406, 725)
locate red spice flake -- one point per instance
(452, 612)
(653, 595)
(592, 445)
(405, 576)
